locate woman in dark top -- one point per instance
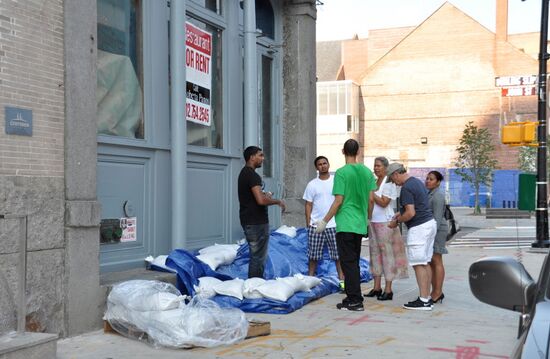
(436, 198)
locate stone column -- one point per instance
(299, 113)
(82, 211)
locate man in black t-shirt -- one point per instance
(253, 204)
(415, 212)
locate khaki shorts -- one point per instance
(420, 243)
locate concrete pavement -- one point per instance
(493, 233)
(460, 327)
(470, 222)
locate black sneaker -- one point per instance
(354, 307)
(418, 304)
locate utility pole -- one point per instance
(541, 209)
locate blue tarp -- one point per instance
(189, 270)
(327, 286)
(286, 256)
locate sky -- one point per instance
(342, 19)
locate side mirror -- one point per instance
(502, 282)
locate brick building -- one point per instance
(419, 86)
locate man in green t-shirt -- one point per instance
(352, 189)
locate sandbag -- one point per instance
(308, 280)
(297, 284)
(219, 248)
(212, 259)
(286, 230)
(159, 263)
(276, 289)
(219, 254)
(250, 288)
(232, 288)
(206, 286)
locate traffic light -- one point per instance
(520, 134)
(530, 132)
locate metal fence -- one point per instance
(503, 192)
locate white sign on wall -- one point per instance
(129, 229)
(198, 53)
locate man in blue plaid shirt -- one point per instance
(319, 198)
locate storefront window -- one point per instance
(265, 19)
(267, 115)
(119, 68)
(204, 85)
(214, 5)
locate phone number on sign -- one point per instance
(197, 113)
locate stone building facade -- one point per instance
(55, 176)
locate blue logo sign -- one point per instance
(18, 121)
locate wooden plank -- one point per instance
(256, 328)
(107, 327)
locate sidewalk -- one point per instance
(460, 326)
(466, 219)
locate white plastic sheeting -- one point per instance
(148, 307)
(119, 98)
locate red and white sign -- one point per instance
(518, 91)
(198, 55)
(129, 229)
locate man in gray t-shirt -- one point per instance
(415, 212)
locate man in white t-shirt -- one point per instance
(319, 198)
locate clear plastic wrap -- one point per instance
(210, 325)
(200, 323)
(146, 295)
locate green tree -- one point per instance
(528, 159)
(475, 162)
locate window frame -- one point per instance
(140, 74)
(210, 18)
(155, 92)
